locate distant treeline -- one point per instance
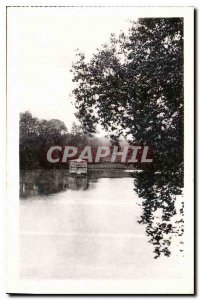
(38, 135)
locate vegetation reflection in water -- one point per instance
(161, 215)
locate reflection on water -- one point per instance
(49, 182)
(45, 182)
(162, 210)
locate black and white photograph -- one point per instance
(100, 112)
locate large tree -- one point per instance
(133, 86)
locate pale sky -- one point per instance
(41, 48)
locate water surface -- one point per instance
(86, 227)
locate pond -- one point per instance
(93, 226)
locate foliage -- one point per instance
(134, 87)
(37, 136)
(161, 213)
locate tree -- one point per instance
(28, 125)
(78, 137)
(36, 136)
(28, 141)
(133, 87)
(52, 131)
(76, 129)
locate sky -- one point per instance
(41, 45)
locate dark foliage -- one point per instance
(133, 87)
(37, 136)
